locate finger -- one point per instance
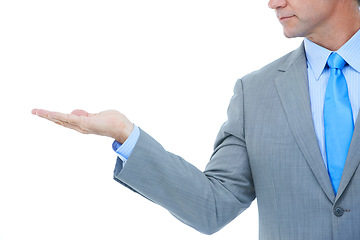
(56, 117)
(40, 112)
(74, 127)
(66, 118)
(70, 121)
(43, 114)
(66, 124)
(73, 121)
(70, 118)
(69, 125)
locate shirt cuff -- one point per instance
(124, 150)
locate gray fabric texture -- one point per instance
(267, 149)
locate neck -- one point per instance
(336, 33)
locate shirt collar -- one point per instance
(350, 51)
(317, 55)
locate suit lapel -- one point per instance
(352, 161)
(292, 87)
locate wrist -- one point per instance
(124, 133)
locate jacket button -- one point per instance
(338, 211)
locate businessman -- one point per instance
(291, 140)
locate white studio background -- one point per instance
(170, 66)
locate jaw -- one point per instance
(293, 28)
(311, 30)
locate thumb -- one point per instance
(79, 112)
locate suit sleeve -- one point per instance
(208, 200)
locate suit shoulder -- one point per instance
(271, 70)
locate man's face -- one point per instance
(304, 18)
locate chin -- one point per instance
(291, 34)
(287, 35)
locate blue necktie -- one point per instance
(338, 120)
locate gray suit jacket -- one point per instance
(266, 149)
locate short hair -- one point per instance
(358, 2)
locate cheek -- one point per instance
(314, 13)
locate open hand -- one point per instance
(109, 123)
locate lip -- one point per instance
(285, 18)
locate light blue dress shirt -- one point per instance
(124, 150)
(318, 75)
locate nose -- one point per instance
(275, 4)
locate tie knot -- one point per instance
(336, 61)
